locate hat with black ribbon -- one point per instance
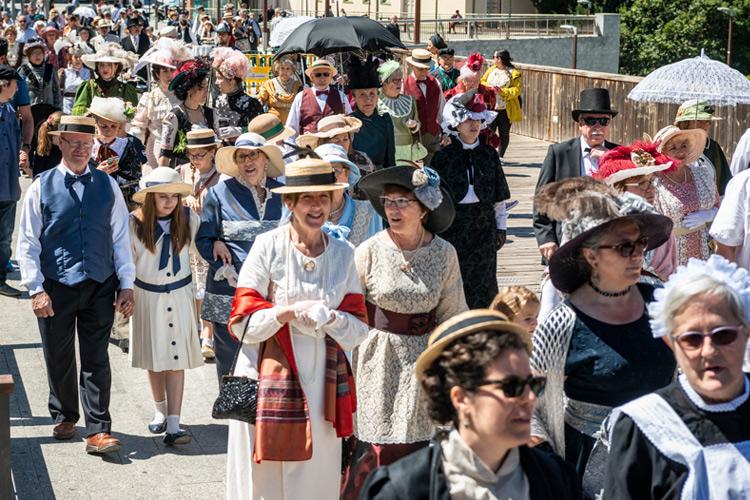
(201, 138)
(309, 175)
(75, 125)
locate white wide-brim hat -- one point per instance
(109, 108)
(162, 180)
(225, 163)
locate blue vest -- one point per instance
(76, 234)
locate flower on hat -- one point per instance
(467, 106)
(475, 62)
(229, 62)
(426, 184)
(614, 165)
(128, 110)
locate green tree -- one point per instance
(659, 32)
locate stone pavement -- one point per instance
(44, 468)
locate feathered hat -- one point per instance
(639, 158)
(165, 52)
(585, 207)
(467, 106)
(111, 52)
(187, 73)
(230, 63)
(473, 65)
(363, 74)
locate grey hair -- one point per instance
(703, 285)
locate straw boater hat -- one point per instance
(586, 206)
(697, 139)
(624, 162)
(225, 163)
(270, 128)
(201, 138)
(424, 182)
(110, 52)
(309, 175)
(104, 23)
(162, 180)
(75, 125)
(461, 325)
(320, 64)
(109, 108)
(694, 109)
(420, 58)
(330, 126)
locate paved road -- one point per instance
(44, 468)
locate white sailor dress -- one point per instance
(163, 329)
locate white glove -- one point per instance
(226, 132)
(696, 219)
(319, 314)
(227, 272)
(301, 307)
(307, 317)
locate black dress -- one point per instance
(474, 230)
(638, 469)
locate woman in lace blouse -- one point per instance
(412, 282)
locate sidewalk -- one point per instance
(44, 468)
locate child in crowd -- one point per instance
(519, 304)
(164, 334)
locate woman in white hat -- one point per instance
(233, 213)
(200, 173)
(156, 104)
(300, 305)
(164, 335)
(350, 219)
(72, 76)
(108, 62)
(688, 193)
(40, 75)
(234, 108)
(118, 154)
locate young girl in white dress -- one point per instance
(164, 335)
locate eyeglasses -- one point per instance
(591, 121)
(643, 185)
(251, 155)
(399, 203)
(340, 169)
(721, 336)
(196, 156)
(77, 144)
(321, 75)
(627, 248)
(514, 386)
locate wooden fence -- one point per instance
(549, 95)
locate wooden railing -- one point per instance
(549, 95)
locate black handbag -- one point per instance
(238, 396)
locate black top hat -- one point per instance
(595, 100)
(363, 74)
(133, 21)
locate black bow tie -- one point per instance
(72, 179)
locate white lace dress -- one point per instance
(148, 120)
(388, 395)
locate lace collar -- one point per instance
(698, 401)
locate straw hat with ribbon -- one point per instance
(201, 138)
(696, 137)
(330, 126)
(270, 127)
(112, 109)
(75, 125)
(321, 64)
(309, 175)
(162, 180)
(420, 58)
(225, 163)
(461, 325)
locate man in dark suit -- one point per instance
(136, 42)
(574, 157)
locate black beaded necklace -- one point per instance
(608, 294)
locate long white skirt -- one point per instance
(316, 479)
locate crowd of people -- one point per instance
(334, 238)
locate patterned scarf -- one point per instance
(282, 428)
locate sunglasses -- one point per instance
(515, 386)
(591, 121)
(720, 336)
(319, 75)
(627, 248)
(399, 203)
(642, 185)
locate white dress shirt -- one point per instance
(589, 165)
(29, 247)
(294, 112)
(501, 214)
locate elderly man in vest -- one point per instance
(318, 101)
(423, 87)
(75, 259)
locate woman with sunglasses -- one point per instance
(476, 376)
(632, 169)
(691, 438)
(412, 282)
(596, 347)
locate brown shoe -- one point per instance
(64, 431)
(102, 443)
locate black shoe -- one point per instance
(181, 437)
(157, 428)
(9, 291)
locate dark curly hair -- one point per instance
(464, 363)
(189, 75)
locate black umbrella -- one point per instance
(328, 35)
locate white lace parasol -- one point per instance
(696, 78)
(285, 27)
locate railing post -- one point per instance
(417, 20)
(6, 483)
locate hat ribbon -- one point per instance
(311, 179)
(156, 183)
(201, 140)
(467, 323)
(247, 142)
(276, 129)
(422, 61)
(77, 128)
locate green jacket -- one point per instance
(88, 89)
